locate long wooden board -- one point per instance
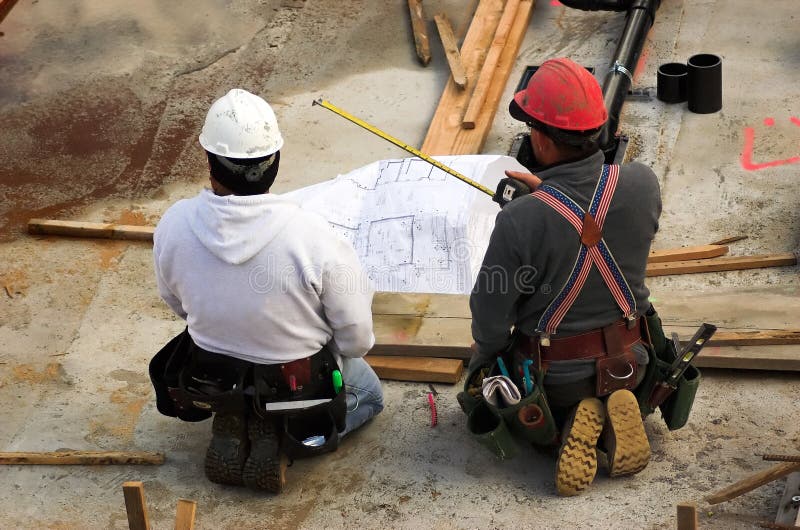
(772, 337)
(451, 50)
(445, 135)
(84, 458)
(728, 263)
(88, 229)
(684, 253)
(486, 77)
(419, 369)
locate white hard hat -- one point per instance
(241, 125)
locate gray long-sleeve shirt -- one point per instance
(533, 248)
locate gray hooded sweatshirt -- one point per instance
(259, 279)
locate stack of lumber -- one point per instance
(481, 69)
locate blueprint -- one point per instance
(414, 227)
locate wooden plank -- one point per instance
(184, 518)
(135, 506)
(752, 482)
(419, 369)
(83, 458)
(788, 514)
(445, 135)
(687, 516)
(728, 263)
(487, 75)
(681, 254)
(451, 50)
(421, 304)
(420, 31)
(88, 229)
(422, 336)
(780, 358)
(770, 337)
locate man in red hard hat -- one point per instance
(561, 296)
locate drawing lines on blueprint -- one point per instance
(390, 241)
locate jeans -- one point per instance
(364, 393)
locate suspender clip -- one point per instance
(631, 320)
(544, 340)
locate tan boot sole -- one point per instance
(577, 458)
(626, 441)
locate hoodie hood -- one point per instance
(234, 227)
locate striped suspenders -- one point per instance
(593, 251)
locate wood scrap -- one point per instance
(478, 98)
(420, 31)
(727, 263)
(729, 240)
(685, 253)
(135, 506)
(451, 50)
(752, 482)
(184, 518)
(445, 135)
(687, 516)
(88, 229)
(82, 458)
(419, 369)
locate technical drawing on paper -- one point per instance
(414, 227)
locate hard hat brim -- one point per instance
(516, 111)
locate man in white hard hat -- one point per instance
(262, 283)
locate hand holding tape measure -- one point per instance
(516, 183)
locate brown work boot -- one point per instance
(625, 440)
(577, 458)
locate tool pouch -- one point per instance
(314, 421)
(677, 407)
(675, 410)
(487, 426)
(531, 419)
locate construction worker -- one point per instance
(563, 278)
(265, 288)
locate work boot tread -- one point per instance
(577, 460)
(626, 441)
(227, 450)
(265, 468)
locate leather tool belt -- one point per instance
(611, 347)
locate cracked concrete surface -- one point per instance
(102, 103)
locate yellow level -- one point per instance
(404, 146)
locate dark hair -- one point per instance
(571, 142)
(245, 176)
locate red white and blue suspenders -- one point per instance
(593, 251)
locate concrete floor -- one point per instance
(102, 103)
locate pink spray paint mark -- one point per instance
(555, 3)
(747, 151)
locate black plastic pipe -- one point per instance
(599, 5)
(640, 18)
(641, 15)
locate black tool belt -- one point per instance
(191, 383)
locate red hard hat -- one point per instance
(562, 94)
